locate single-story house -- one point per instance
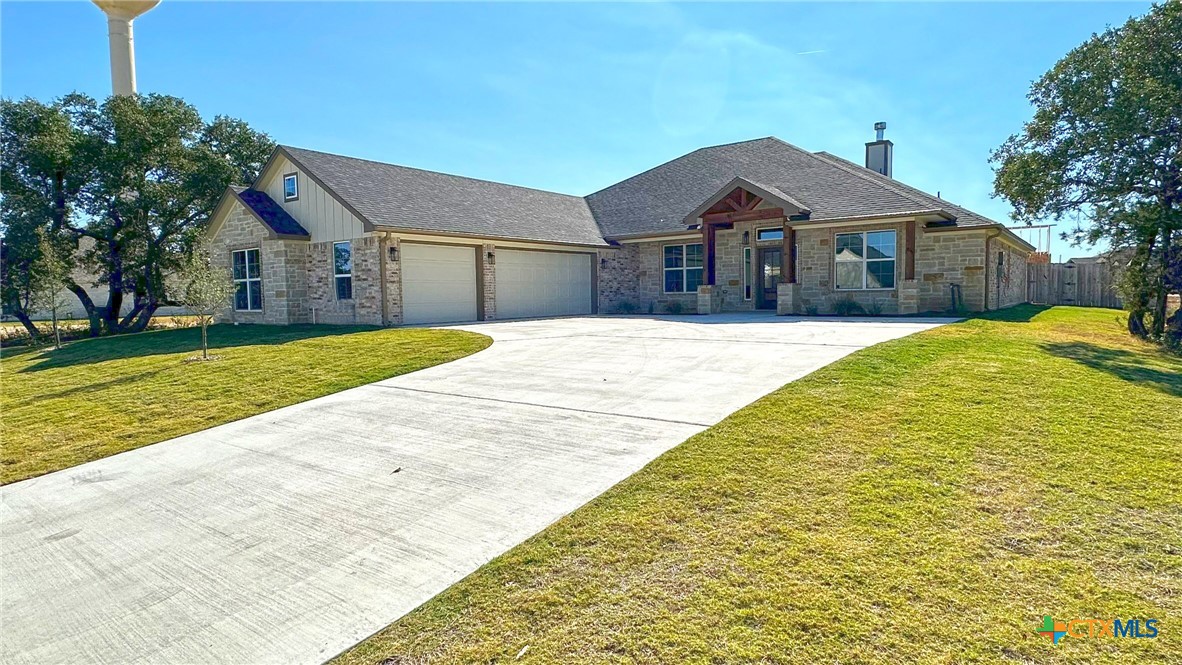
(759, 224)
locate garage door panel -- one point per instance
(531, 283)
(438, 283)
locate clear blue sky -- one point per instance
(574, 97)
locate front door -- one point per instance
(768, 276)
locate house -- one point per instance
(759, 224)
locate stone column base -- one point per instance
(787, 298)
(909, 296)
(705, 299)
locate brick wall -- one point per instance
(366, 305)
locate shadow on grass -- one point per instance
(1015, 314)
(1127, 365)
(162, 342)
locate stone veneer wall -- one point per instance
(1013, 275)
(943, 258)
(816, 271)
(282, 268)
(366, 305)
(488, 281)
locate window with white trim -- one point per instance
(342, 269)
(864, 260)
(683, 267)
(248, 281)
(291, 187)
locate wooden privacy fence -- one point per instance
(1083, 284)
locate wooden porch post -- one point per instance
(909, 251)
(788, 254)
(708, 248)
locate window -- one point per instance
(746, 273)
(769, 234)
(291, 187)
(248, 281)
(342, 269)
(683, 268)
(864, 260)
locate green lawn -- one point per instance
(98, 397)
(925, 500)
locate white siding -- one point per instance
(316, 210)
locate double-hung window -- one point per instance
(683, 268)
(248, 281)
(864, 260)
(342, 269)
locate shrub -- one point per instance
(627, 307)
(675, 307)
(847, 307)
(810, 310)
(875, 308)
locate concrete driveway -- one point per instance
(289, 536)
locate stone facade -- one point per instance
(631, 278)
(282, 263)
(1006, 284)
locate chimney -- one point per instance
(120, 14)
(880, 152)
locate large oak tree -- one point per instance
(1105, 142)
(137, 175)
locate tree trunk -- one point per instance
(57, 333)
(204, 338)
(23, 316)
(92, 315)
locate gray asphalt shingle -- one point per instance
(406, 198)
(655, 201)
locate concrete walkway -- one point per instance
(289, 536)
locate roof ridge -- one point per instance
(864, 173)
(443, 173)
(683, 156)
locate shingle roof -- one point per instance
(272, 214)
(406, 198)
(658, 199)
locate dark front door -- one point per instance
(767, 277)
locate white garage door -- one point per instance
(543, 283)
(438, 283)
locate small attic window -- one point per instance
(291, 187)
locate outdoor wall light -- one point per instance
(746, 237)
(492, 259)
(602, 262)
(392, 252)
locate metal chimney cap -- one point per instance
(125, 9)
(879, 125)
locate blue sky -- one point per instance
(574, 97)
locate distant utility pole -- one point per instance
(120, 14)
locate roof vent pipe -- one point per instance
(880, 152)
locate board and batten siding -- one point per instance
(315, 209)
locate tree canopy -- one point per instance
(138, 175)
(1106, 142)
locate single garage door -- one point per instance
(438, 283)
(543, 283)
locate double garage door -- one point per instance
(439, 283)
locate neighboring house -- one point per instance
(759, 224)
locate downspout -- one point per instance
(988, 253)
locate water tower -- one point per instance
(120, 14)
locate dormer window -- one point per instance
(291, 187)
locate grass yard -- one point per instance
(98, 397)
(925, 500)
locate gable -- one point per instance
(316, 209)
